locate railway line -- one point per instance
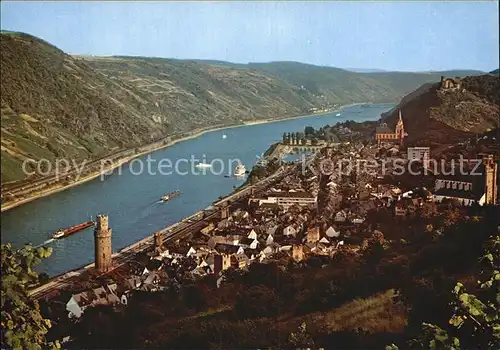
(179, 230)
(120, 258)
(172, 233)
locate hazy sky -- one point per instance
(384, 35)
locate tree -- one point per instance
(301, 339)
(374, 252)
(476, 319)
(257, 301)
(428, 210)
(22, 325)
(451, 216)
(309, 131)
(100, 327)
(194, 298)
(43, 278)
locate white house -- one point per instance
(256, 256)
(324, 240)
(341, 216)
(289, 231)
(358, 220)
(272, 229)
(332, 184)
(286, 248)
(330, 232)
(418, 153)
(249, 243)
(77, 305)
(134, 282)
(407, 194)
(252, 235)
(190, 252)
(240, 214)
(269, 239)
(290, 198)
(271, 249)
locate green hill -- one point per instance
(55, 105)
(341, 85)
(437, 117)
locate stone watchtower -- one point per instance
(102, 242)
(158, 241)
(221, 262)
(491, 179)
(224, 212)
(298, 252)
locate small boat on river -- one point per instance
(169, 196)
(240, 171)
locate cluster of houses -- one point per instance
(342, 130)
(309, 213)
(109, 294)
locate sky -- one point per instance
(396, 36)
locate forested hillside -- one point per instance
(56, 105)
(436, 116)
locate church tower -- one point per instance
(400, 129)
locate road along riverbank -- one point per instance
(131, 198)
(40, 192)
(171, 233)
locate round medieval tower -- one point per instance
(158, 241)
(102, 242)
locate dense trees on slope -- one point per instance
(475, 318)
(54, 104)
(266, 306)
(274, 300)
(22, 325)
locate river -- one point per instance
(131, 199)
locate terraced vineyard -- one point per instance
(54, 105)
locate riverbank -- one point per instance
(191, 135)
(267, 121)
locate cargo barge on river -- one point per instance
(73, 229)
